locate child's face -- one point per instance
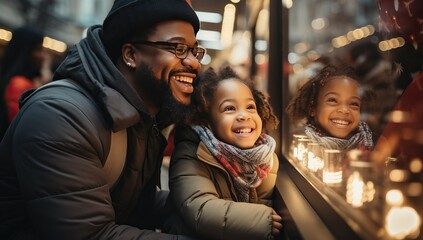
(233, 114)
(338, 107)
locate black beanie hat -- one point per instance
(127, 17)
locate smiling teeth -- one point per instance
(245, 130)
(342, 122)
(183, 79)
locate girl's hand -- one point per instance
(276, 223)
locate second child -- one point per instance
(330, 104)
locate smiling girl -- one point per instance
(223, 168)
(330, 103)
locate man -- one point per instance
(135, 74)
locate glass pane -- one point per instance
(382, 41)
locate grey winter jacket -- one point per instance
(52, 184)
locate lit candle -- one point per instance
(294, 144)
(302, 151)
(332, 169)
(314, 162)
(360, 188)
(355, 190)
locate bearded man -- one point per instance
(132, 76)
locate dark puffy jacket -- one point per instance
(52, 183)
(204, 196)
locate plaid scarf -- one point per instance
(362, 139)
(248, 167)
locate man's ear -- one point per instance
(128, 55)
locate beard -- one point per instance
(176, 112)
(159, 93)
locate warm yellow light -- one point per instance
(355, 190)
(260, 59)
(5, 35)
(398, 175)
(371, 29)
(54, 44)
(353, 35)
(340, 41)
(416, 165)
(313, 55)
(262, 25)
(414, 189)
(332, 167)
(358, 190)
(392, 43)
(301, 47)
(366, 31)
(287, 3)
(384, 46)
(228, 24)
(403, 222)
(350, 36)
(297, 68)
(394, 197)
(399, 116)
(358, 34)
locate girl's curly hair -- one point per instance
(305, 100)
(205, 91)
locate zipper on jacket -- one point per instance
(155, 127)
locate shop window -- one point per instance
(378, 193)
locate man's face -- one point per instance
(171, 75)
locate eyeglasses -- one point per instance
(180, 50)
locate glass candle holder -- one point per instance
(314, 158)
(294, 144)
(362, 183)
(332, 168)
(302, 151)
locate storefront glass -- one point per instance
(379, 193)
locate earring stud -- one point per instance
(128, 64)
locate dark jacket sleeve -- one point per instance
(57, 148)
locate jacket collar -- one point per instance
(205, 155)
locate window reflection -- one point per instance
(383, 41)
